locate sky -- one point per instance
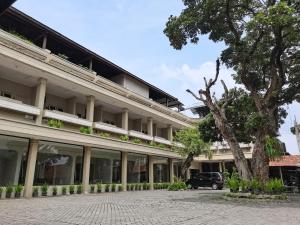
(130, 34)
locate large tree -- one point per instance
(262, 41)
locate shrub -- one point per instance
(136, 188)
(177, 186)
(9, 190)
(153, 144)
(107, 186)
(233, 184)
(85, 130)
(162, 146)
(18, 190)
(92, 188)
(255, 186)
(35, 192)
(137, 141)
(124, 138)
(274, 186)
(1, 191)
(54, 191)
(72, 189)
(145, 187)
(113, 187)
(55, 123)
(44, 189)
(121, 188)
(244, 185)
(104, 134)
(99, 187)
(132, 186)
(64, 190)
(79, 189)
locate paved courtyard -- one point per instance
(149, 207)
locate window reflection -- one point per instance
(137, 168)
(161, 170)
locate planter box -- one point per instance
(110, 128)
(133, 133)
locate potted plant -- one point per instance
(107, 187)
(72, 189)
(79, 189)
(44, 189)
(35, 192)
(18, 190)
(54, 191)
(124, 138)
(64, 190)
(99, 187)
(1, 191)
(120, 188)
(128, 187)
(113, 187)
(9, 190)
(92, 188)
(55, 123)
(136, 188)
(137, 141)
(85, 130)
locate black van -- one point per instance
(209, 179)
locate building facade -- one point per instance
(69, 116)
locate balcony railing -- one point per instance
(16, 105)
(110, 128)
(162, 140)
(66, 117)
(137, 134)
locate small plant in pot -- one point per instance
(35, 192)
(136, 188)
(99, 187)
(72, 189)
(121, 188)
(64, 190)
(54, 191)
(113, 187)
(92, 188)
(44, 189)
(107, 186)
(18, 191)
(1, 191)
(9, 190)
(79, 189)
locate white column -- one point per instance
(18, 167)
(32, 155)
(171, 170)
(124, 170)
(150, 126)
(125, 119)
(86, 169)
(73, 169)
(90, 105)
(40, 98)
(170, 133)
(151, 177)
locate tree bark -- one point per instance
(186, 165)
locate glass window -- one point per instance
(161, 170)
(58, 164)
(177, 168)
(105, 166)
(13, 157)
(137, 168)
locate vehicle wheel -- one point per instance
(195, 187)
(188, 186)
(214, 186)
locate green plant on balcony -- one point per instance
(104, 134)
(153, 144)
(15, 33)
(9, 190)
(55, 123)
(44, 189)
(18, 190)
(137, 141)
(35, 192)
(79, 189)
(162, 146)
(63, 56)
(85, 130)
(124, 138)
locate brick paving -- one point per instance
(150, 208)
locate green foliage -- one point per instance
(137, 141)
(233, 181)
(190, 138)
(9, 190)
(85, 130)
(79, 189)
(113, 187)
(124, 138)
(99, 187)
(274, 186)
(244, 185)
(54, 191)
(63, 56)
(255, 186)
(145, 186)
(35, 191)
(104, 134)
(273, 148)
(177, 186)
(121, 187)
(153, 144)
(136, 187)
(162, 146)
(18, 189)
(44, 189)
(64, 190)
(1, 191)
(92, 188)
(55, 123)
(107, 187)
(71, 189)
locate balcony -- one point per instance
(137, 134)
(162, 140)
(110, 128)
(66, 117)
(16, 105)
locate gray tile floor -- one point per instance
(149, 207)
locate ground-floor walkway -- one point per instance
(148, 207)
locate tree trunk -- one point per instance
(186, 165)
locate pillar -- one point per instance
(91, 64)
(90, 105)
(151, 175)
(44, 46)
(171, 170)
(220, 167)
(170, 133)
(17, 167)
(86, 169)
(31, 161)
(150, 126)
(40, 98)
(125, 119)
(124, 170)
